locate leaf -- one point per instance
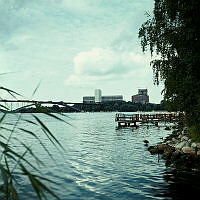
(4, 175)
(13, 155)
(4, 107)
(28, 149)
(14, 126)
(38, 85)
(38, 186)
(7, 129)
(13, 192)
(3, 117)
(11, 92)
(5, 73)
(48, 132)
(58, 118)
(30, 121)
(3, 136)
(34, 135)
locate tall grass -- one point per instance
(14, 163)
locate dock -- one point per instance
(131, 120)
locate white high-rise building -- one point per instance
(98, 96)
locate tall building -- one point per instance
(141, 97)
(97, 95)
(98, 98)
(142, 91)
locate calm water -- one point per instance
(102, 162)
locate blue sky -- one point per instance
(73, 47)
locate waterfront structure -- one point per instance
(98, 98)
(89, 99)
(141, 97)
(131, 119)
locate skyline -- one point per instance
(73, 47)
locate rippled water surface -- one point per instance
(100, 161)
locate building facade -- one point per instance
(141, 97)
(88, 99)
(98, 98)
(142, 91)
(112, 98)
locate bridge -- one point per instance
(18, 105)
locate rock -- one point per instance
(168, 142)
(185, 130)
(189, 150)
(174, 140)
(198, 145)
(153, 149)
(180, 136)
(193, 145)
(187, 144)
(176, 153)
(184, 138)
(198, 153)
(146, 141)
(180, 145)
(167, 155)
(165, 148)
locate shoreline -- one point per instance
(179, 150)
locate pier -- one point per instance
(131, 120)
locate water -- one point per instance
(102, 162)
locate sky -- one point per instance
(72, 47)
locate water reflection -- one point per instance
(182, 184)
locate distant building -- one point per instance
(142, 91)
(98, 98)
(88, 99)
(112, 98)
(141, 97)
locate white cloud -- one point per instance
(100, 64)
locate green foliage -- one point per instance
(103, 107)
(194, 132)
(14, 163)
(173, 35)
(119, 106)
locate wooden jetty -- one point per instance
(126, 120)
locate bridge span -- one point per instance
(34, 101)
(17, 105)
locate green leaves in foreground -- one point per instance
(39, 187)
(14, 164)
(11, 92)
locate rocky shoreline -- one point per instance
(179, 150)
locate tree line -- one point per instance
(103, 107)
(172, 34)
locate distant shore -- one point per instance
(120, 106)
